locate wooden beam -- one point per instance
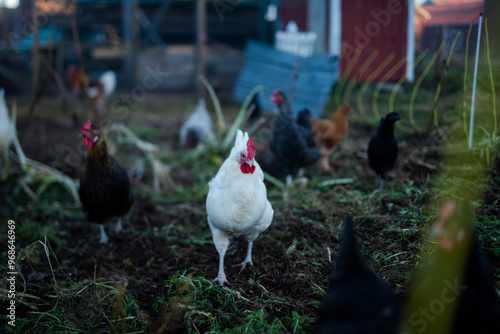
(150, 30)
(5, 25)
(130, 31)
(160, 14)
(35, 93)
(201, 39)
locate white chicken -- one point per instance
(197, 128)
(237, 202)
(103, 87)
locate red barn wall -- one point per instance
(294, 10)
(375, 30)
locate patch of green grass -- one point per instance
(145, 132)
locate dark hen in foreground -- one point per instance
(454, 290)
(104, 187)
(383, 147)
(357, 300)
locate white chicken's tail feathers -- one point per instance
(201, 105)
(108, 78)
(201, 111)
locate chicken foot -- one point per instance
(248, 258)
(118, 227)
(325, 164)
(380, 182)
(221, 242)
(104, 238)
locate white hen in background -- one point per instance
(6, 125)
(7, 132)
(237, 202)
(198, 127)
(101, 89)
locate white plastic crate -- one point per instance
(294, 41)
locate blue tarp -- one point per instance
(273, 69)
(46, 35)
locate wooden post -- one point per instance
(437, 64)
(201, 39)
(129, 26)
(35, 94)
(263, 25)
(5, 24)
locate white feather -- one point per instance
(6, 125)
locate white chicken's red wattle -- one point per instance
(247, 169)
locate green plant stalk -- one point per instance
(362, 71)
(417, 86)
(394, 91)
(464, 116)
(228, 140)
(274, 181)
(221, 124)
(440, 84)
(359, 98)
(340, 85)
(378, 88)
(491, 74)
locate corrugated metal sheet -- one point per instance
(380, 32)
(273, 69)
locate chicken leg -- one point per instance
(221, 242)
(248, 258)
(325, 164)
(380, 182)
(118, 227)
(104, 238)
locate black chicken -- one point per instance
(256, 109)
(383, 147)
(289, 142)
(454, 290)
(104, 187)
(304, 127)
(357, 300)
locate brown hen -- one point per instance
(328, 133)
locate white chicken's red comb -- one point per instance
(250, 149)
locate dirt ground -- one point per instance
(166, 235)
